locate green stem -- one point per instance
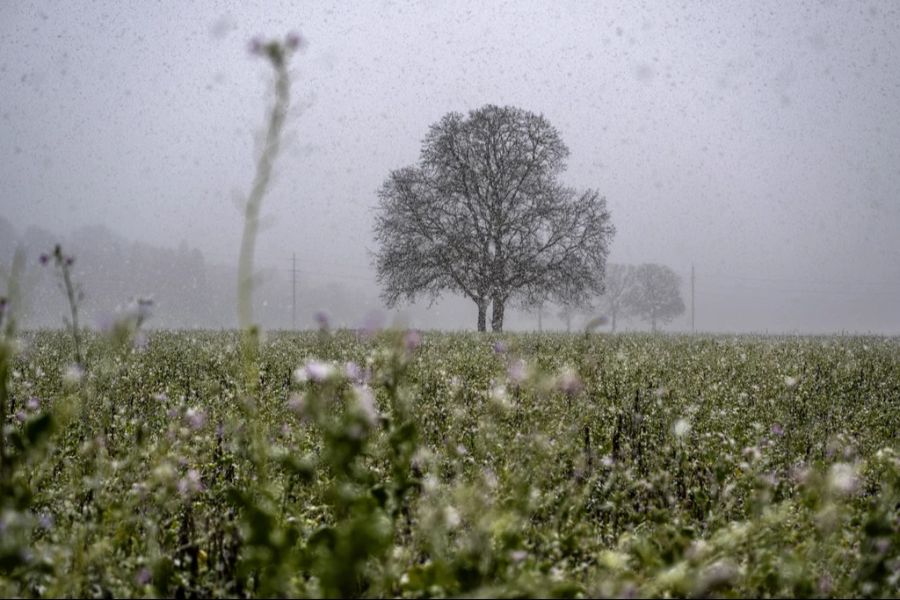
(250, 343)
(73, 308)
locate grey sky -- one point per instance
(758, 140)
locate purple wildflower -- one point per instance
(190, 484)
(569, 383)
(517, 371)
(195, 417)
(412, 340)
(354, 373)
(294, 41)
(314, 370)
(46, 521)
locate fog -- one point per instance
(757, 141)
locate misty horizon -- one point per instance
(343, 301)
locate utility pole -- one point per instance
(294, 293)
(692, 297)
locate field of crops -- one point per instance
(400, 464)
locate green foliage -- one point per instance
(450, 465)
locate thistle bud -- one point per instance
(294, 41)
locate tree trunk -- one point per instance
(482, 315)
(497, 314)
(653, 323)
(613, 322)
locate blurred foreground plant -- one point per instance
(20, 447)
(277, 53)
(364, 468)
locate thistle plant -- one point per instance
(278, 54)
(74, 295)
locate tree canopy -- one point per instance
(483, 214)
(654, 295)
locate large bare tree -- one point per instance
(483, 215)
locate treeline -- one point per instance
(649, 293)
(187, 291)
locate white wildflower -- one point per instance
(569, 382)
(73, 374)
(843, 478)
(681, 428)
(314, 370)
(451, 517)
(499, 396)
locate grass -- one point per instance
(452, 465)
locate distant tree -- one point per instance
(654, 295)
(567, 312)
(618, 288)
(570, 302)
(483, 215)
